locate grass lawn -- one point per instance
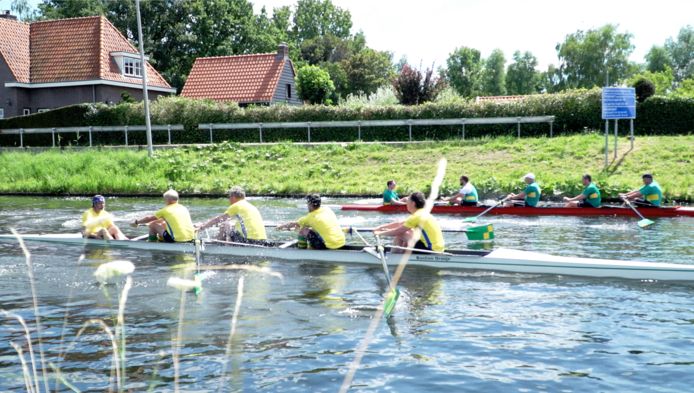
(495, 166)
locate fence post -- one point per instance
(210, 126)
(359, 130)
(126, 135)
(53, 135)
(409, 126)
(309, 132)
(90, 136)
(260, 131)
(21, 137)
(463, 131)
(519, 119)
(551, 132)
(168, 129)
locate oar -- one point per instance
(393, 292)
(474, 219)
(644, 222)
(483, 232)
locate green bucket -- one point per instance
(482, 232)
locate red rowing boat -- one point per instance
(673, 211)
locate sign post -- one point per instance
(617, 103)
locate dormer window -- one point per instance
(132, 67)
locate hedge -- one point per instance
(575, 111)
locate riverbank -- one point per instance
(495, 166)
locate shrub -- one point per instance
(314, 85)
(412, 89)
(644, 89)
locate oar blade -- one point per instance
(645, 223)
(483, 232)
(470, 219)
(389, 304)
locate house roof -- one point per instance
(69, 50)
(242, 79)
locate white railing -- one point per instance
(89, 130)
(358, 124)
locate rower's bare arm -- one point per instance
(212, 222)
(288, 226)
(143, 221)
(398, 229)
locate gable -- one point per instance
(14, 47)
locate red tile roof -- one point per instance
(14, 47)
(242, 79)
(67, 50)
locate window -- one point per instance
(289, 90)
(2, 113)
(41, 110)
(132, 67)
(26, 111)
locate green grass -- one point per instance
(495, 166)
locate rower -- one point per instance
(390, 197)
(431, 237)
(249, 226)
(170, 224)
(318, 229)
(97, 223)
(590, 197)
(467, 196)
(650, 195)
(529, 197)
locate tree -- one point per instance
(59, 9)
(521, 76)
(463, 70)
(494, 74)
(317, 18)
(313, 84)
(658, 59)
(644, 89)
(681, 52)
(411, 88)
(662, 81)
(24, 11)
(367, 71)
(587, 58)
(685, 89)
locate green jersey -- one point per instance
(389, 196)
(652, 193)
(532, 194)
(592, 195)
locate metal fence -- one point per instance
(358, 124)
(89, 130)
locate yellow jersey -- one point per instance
(324, 222)
(249, 222)
(93, 222)
(178, 222)
(432, 237)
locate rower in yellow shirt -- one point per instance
(170, 224)
(319, 227)
(249, 226)
(431, 237)
(97, 223)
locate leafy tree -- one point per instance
(587, 58)
(413, 88)
(644, 89)
(494, 74)
(316, 18)
(314, 85)
(550, 80)
(682, 53)
(521, 76)
(59, 9)
(658, 59)
(24, 11)
(685, 89)
(662, 81)
(367, 71)
(464, 66)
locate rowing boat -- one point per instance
(674, 211)
(505, 260)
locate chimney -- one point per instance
(6, 15)
(282, 51)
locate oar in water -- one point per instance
(474, 219)
(644, 222)
(393, 292)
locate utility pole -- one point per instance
(145, 98)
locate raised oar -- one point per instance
(644, 222)
(474, 219)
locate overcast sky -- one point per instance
(426, 31)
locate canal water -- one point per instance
(452, 331)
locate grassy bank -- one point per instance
(495, 166)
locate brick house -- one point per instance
(54, 63)
(260, 79)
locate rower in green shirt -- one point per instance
(590, 197)
(530, 195)
(390, 197)
(650, 195)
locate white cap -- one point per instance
(529, 175)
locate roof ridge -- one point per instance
(244, 55)
(63, 19)
(15, 21)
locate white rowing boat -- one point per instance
(506, 260)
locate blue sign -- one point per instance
(618, 103)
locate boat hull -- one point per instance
(503, 260)
(676, 211)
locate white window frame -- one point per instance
(2, 113)
(26, 111)
(132, 67)
(41, 110)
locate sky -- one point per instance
(426, 32)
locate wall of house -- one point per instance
(286, 78)
(8, 95)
